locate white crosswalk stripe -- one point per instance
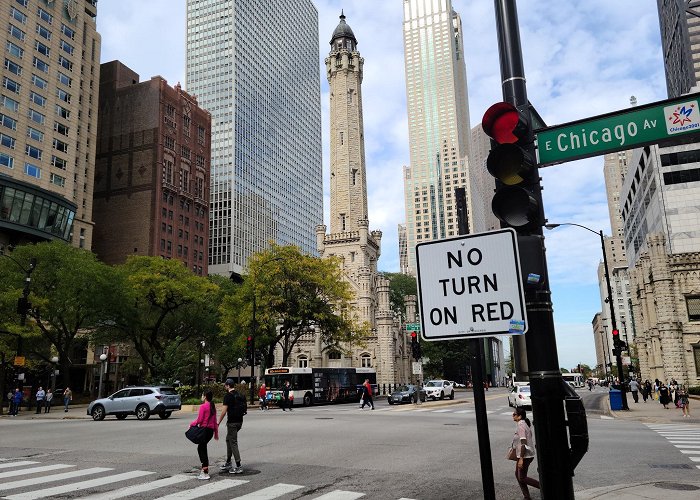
(685, 437)
(81, 485)
(105, 479)
(204, 490)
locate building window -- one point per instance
(170, 142)
(58, 162)
(11, 85)
(39, 82)
(60, 128)
(43, 32)
(32, 170)
(15, 50)
(58, 180)
(65, 80)
(67, 47)
(303, 362)
(41, 48)
(37, 117)
(334, 355)
(7, 141)
(37, 99)
(366, 361)
(33, 152)
(67, 31)
(40, 65)
(16, 32)
(19, 16)
(6, 160)
(693, 304)
(8, 103)
(60, 146)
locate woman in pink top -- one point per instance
(524, 451)
(206, 419)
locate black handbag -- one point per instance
(196, 434)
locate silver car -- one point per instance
(141, 401)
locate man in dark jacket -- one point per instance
(287, 402)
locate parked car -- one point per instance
(405, 394)
(439, 389)
(141, 401)
(519, 395)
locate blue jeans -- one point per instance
(66, 402)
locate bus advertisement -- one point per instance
(319, 385)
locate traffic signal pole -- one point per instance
(553, 456)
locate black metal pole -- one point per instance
(199, 367)
(252, 352)
(476, 347)
(553, 454)
(618, 351)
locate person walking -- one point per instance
(67, 398)
(48, 400)
(262, 394)
(40, 395)
(664, 396)
(367, 395)
(524, 451)
(634, 387)
(206, 418)
(646, 390)
(287, 401)
(684, 401)
(16, 402)
(234, 408)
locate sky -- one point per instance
(581, 59)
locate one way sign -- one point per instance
(470, 286)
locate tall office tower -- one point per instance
(680, 39)
(403, 249)
(438, 122)
(48, 120)
(254, 67)
(152, 172)
(484, 219)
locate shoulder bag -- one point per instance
(196, 434)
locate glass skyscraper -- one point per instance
(255, 67)
(438, 116)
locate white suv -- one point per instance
(439, 389)
(140, 401)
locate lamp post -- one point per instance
(606, 354)
(54, 360)
(200, 362)
(609, 300)
(103, 358)
(240, 360)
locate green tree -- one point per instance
(290, 293)
(164, 310)
(400, 285)
(69, 290)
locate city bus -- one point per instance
(574, 379)
(319, 385)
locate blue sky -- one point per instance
(582, 58)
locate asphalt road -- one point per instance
(427, 452)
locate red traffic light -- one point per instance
(504, 123)
(616, 333)
(414, 335)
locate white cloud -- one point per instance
(581, 59)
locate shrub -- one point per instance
(190, 395)
(694, 390)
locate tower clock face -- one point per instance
(72, 8)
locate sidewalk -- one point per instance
(75, 412)
(652, 412)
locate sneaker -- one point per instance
(203, 476)
(236, 470)
(226, 466)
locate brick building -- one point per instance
(152, 173)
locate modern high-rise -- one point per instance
(438, 122)
(48, 120)
(680, 40)
(152, 171)
(254, 67)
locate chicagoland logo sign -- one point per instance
(682, 117)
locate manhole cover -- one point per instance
(676, 486)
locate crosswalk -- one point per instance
(408, 409)
(685, 437)
(29, 479)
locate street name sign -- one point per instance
(413, 327)
(658, 122)
(471, 286)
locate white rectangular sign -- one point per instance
(471, 286)
(417, 368)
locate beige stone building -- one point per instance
(350, 239)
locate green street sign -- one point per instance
(657, 122)
(413, 327)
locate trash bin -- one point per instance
(615, 399)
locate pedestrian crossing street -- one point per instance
(684, 437)
(28, 479)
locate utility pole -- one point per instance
(518, 204)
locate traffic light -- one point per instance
(250, 351)
(415, 346)
(620, 344)
(512, 162)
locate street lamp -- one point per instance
(200, 362)
(103, 358)
(54, 360)
(239, 369)
(609, 300)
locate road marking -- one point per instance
(340, 495)
(441, 411)
(82, 485)
(695, 459)
(138, 488)
(690, 452)
(271, 492)
(17, 464)
(605, 417)
(464, 411)
(204, 490)
(54, 477)
(34, 470)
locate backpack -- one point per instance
(240, 407)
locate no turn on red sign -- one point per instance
(470, 286)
